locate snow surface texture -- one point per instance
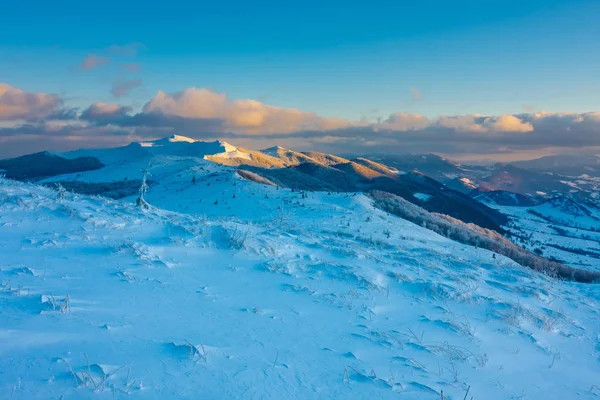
(226, 288)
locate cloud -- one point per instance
(93, 61)
(203, 113)
(207, 114)
(404, 121)
(240, 116)
(122, 88)
(126, 50)
(528, 107)
(416, 94)
(507, 123)
(16, 104)
(132, 67)
(104, 113)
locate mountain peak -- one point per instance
(179, 138)
(274, 150)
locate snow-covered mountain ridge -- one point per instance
(226, 288)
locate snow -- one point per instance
(230, 289)
(167, 140)
(234, 154)
(468, 183)
(558, 233)
(422, 196)
(274, 151)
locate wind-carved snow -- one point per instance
(225, 288)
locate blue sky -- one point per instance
(340, 59)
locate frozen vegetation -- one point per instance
(222, 287)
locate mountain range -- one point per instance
(176, 268)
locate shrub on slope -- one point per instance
(290, 178)
(113, 190)
(251, 176)
(474, 235)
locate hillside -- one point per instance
(285, 168)
(44, 164)
(559, 229)
(229, 287)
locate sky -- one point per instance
(471, 80)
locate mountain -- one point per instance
(546, 177)
(284, 167)
(507, 177)
(568, 165)
(568, 206)
(44, 164)
(377, 167)
(560, 228)
(503, 198)
(359, 171)
(224, 287)
(431, 165)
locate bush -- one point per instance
(113, 190)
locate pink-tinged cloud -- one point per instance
(403, 121)
(122, 88)
(16, 104)
(507, 123)
(206, 114)
(242, 116)
(482, 124)
(104, 111)
(416, 94)
(132, 67)
(93, 61)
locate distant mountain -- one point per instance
(40, 165)
(378, 167)
(568, 206)
(503, 198)
(359, 171)
(568, 165)
(513, 179)
(545, 177)
(429, 164)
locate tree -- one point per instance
(62, 192)
(141, 202)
